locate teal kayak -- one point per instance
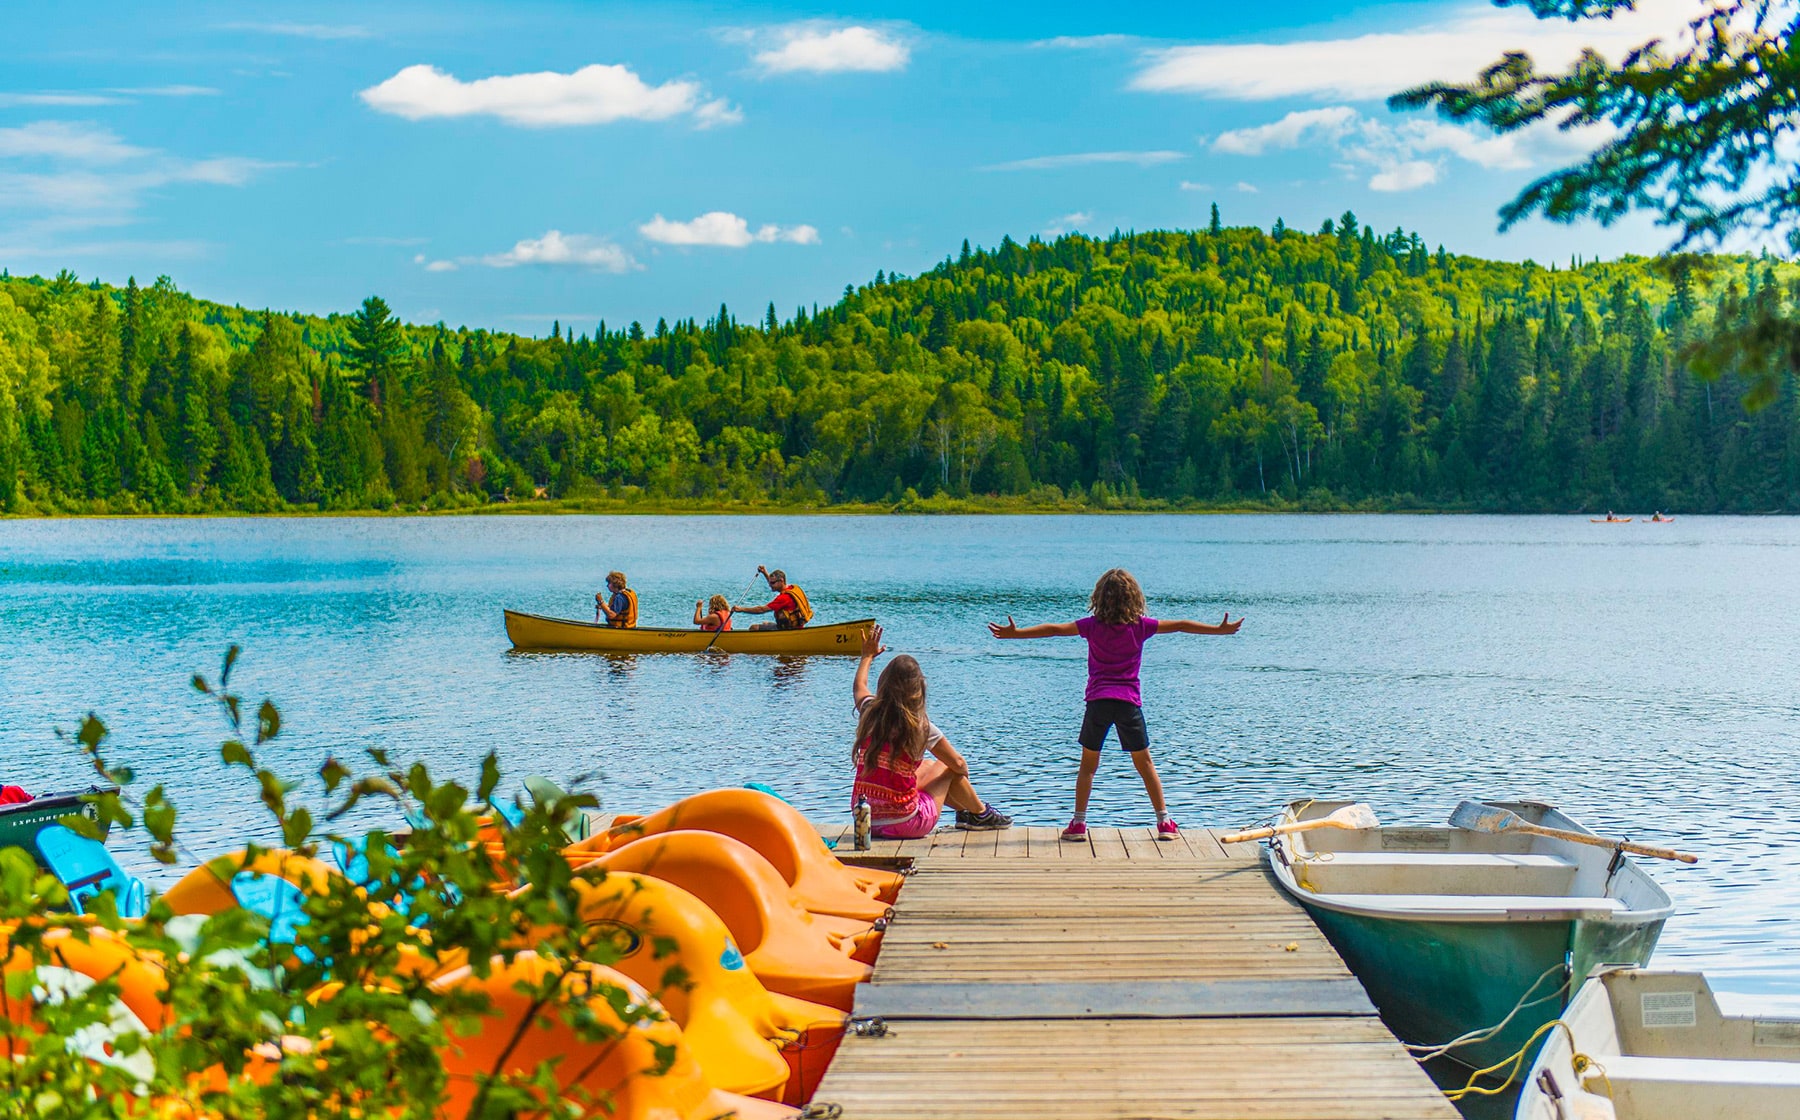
(1453, 931)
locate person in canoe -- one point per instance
(907, 791)
(1116, 630)
(712, 614)
(790, 607)
(621, 608)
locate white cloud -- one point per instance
(1078, 159)
(1245, 188)
(324, 31)
(1085, 42)
(554, 248)
(67, 142)
(1068, 223)
(723, 229)
(1407, 153)
(56, 98)
(597, 94)
(1407, 176)
(68, 98)
(65, 176)
(1378, 64)
(167, 91)
(1287, 132)
(717, 112)
(1189, 185)
(441, 266)
(815, 48)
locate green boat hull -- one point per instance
(20, 824)
(1434, 981)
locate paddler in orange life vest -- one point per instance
(621, 609)
(789, 605)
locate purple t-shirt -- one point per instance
(1114, 654)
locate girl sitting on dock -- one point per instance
(1116, 632)
(905, 790)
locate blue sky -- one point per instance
(506, 164)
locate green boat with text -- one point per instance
(1455, 932)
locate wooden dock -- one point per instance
(1118, 979)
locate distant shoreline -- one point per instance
(924, 507)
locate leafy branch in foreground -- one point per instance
(331, 1000)
(1701, 132)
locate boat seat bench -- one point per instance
(1440, 873)
(1446, 859)
(1516, 907)
(1702, 1071)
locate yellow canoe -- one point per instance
(536, 632)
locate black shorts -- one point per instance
(1103, 715)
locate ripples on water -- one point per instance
(1639, 676)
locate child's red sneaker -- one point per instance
(1077, 831)
(1168, 830)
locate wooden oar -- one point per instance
(1477, 817)
(1350, 816)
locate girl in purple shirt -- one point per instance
(1116, 631)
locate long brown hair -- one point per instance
(895, 718)
(1117, 598)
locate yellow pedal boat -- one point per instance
(536, 632)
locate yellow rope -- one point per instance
(1515, 1060)
(1578, 1062)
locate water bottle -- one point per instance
(864, 821)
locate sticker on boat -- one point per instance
(1777, 1032)
(1668, 1009)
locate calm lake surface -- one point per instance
(1640, 676)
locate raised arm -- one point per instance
(1011, 629)
(1227, 625)
(871, 649)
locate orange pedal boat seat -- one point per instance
(786, 949)
(617, 1078)
(782, 835)
(674, 945)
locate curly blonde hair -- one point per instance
(1117, 598)
(719, 604)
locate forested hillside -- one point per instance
(1224, 367)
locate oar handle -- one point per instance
(1656, 853)
(1603, 842)
(1245, 837)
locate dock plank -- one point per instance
(1113, 979)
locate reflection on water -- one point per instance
(1640, 678)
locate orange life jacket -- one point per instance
(799, 616)
(724, 622)
(630, 619)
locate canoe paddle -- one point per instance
(1350, 816)
(1477, 817)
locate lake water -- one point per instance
(1640, 676)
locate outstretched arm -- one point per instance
(871, 649)
(1227, 625)
(1011, 629)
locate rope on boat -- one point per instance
(1424, 1053)
(1577, 1060)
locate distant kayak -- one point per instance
(1659, 521)
(536, 632)
(1610, 520)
